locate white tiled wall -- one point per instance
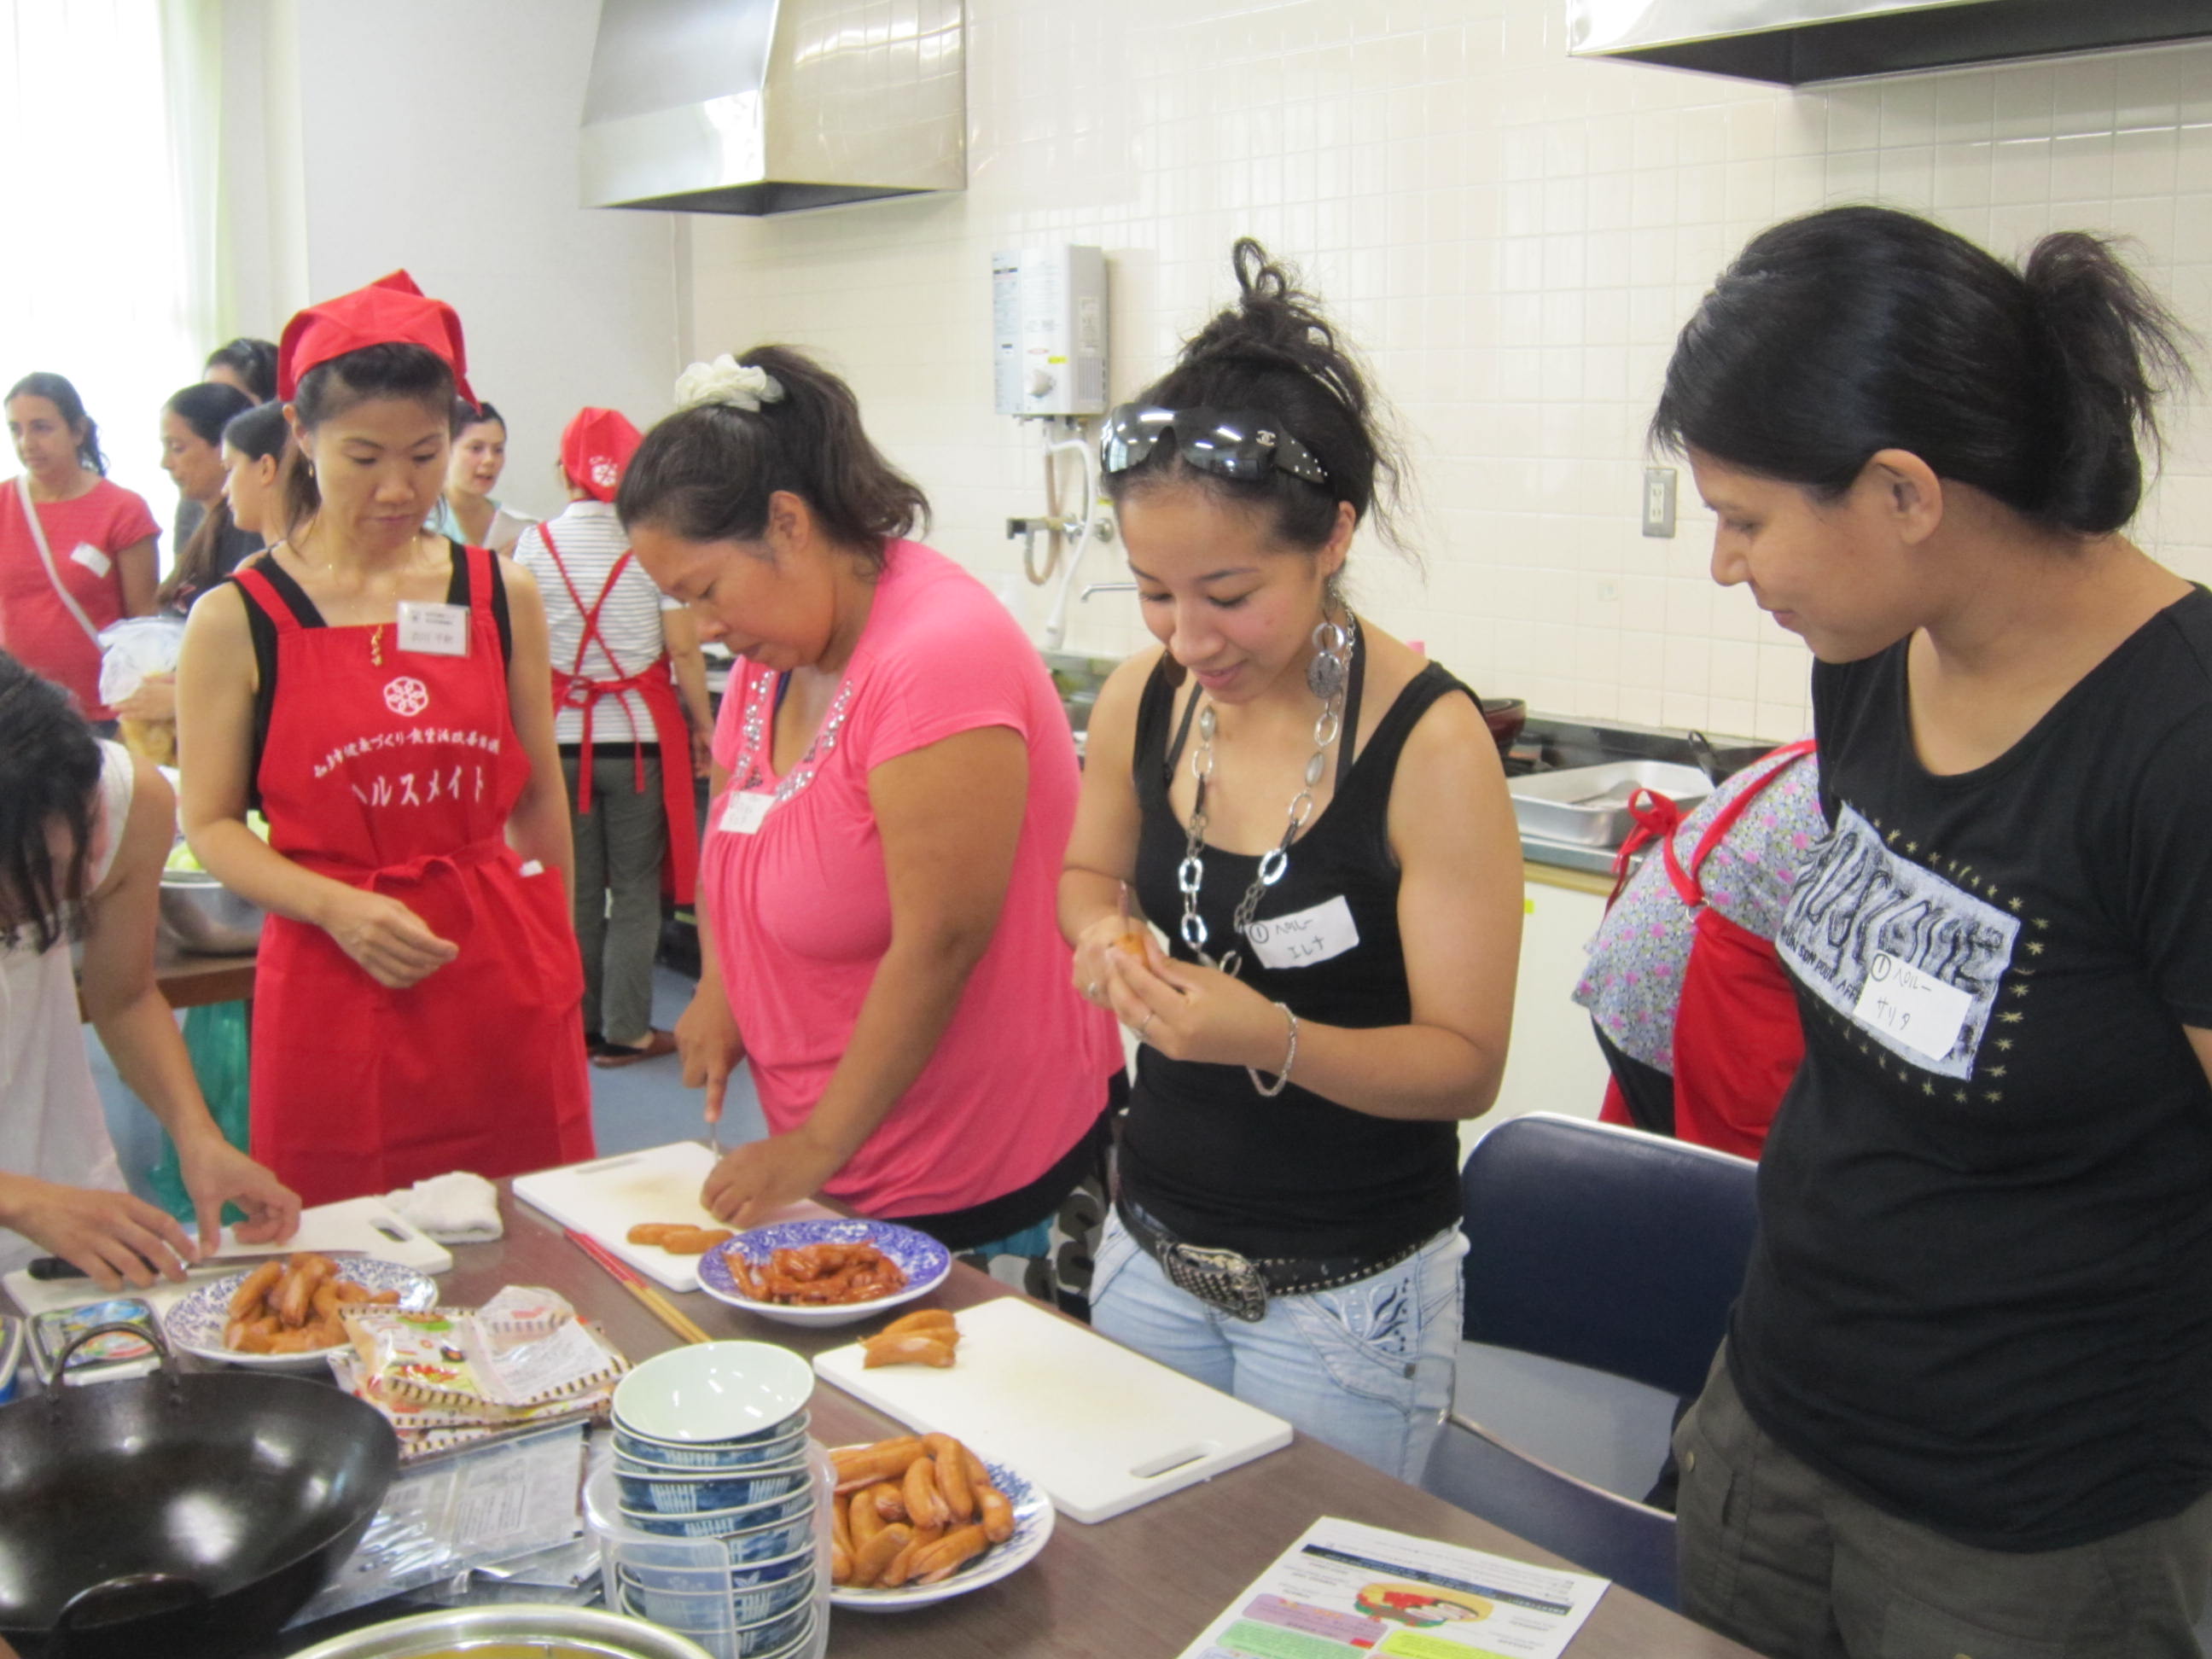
(1513, 237)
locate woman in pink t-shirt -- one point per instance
(97, 564)
(894, 781)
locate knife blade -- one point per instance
(49, 1267)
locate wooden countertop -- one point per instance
(1144, 1583)
(189, 981)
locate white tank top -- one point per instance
(51, 1124)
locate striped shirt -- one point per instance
(589, 537)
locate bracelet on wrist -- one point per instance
(1290, 1059)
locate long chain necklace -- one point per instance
(1329, 675)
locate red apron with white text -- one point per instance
(573, 689)
(1738, 1039)
(396, 771)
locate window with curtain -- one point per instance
(99, 283)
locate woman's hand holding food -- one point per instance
(1194, 1013)
(754, 1181)
(155, 699)
(709, 1044)
(393, 946)
(1097, 946)
(215, 1174)
(110, 1237)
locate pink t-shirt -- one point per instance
(800, 905)
(84, 535)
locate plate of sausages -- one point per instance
(920, 1518)
(823, 1273)
(286, 1313)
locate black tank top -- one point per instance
(1204, 1153)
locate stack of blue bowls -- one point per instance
(711, 1442)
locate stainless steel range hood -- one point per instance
(1794, 41)
(768, 106)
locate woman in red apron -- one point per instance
(382, 692)
(619, 660)
(1697, 1019)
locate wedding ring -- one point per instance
(1151, 1014)
(1090, 991)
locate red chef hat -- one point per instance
(595, 449)
(390, 311)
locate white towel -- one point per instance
(460, 1208)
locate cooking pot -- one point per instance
(603, 1635)
(182, 1515)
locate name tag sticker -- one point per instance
(1305, 937)
(743, 815)
(92, 559)
(1925, 1014)
(437, 631)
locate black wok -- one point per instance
(178, 1514)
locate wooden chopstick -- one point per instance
(633, 1281)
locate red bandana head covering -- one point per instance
(390, 311)
(595, 449)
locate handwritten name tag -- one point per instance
(91, 558)
(1923, 1013)
(437, 630)
(743, 814)
(1300, 939)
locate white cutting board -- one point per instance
(368, 1225)
(1100, 1428)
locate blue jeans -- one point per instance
(1366, 1368)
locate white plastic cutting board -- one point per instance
(367, 1224)
(607, 1197)
(1101, 1429)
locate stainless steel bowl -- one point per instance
(203, 916)
(589, 1628)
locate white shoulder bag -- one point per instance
(46, 558)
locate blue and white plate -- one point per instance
(1032, 1527)
(923, 1261)
(195, 1323)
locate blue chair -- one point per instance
(1606, 1248)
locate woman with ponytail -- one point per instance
(1318, 819)
(893, 781)
(1966, 1404)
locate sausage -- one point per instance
(978, 1476)
(922, 1321)
(863, 1519)
(944, 1557)
(867, 1465)
(841, 1563)
(953, 1482)
(924, 1502)
(840, 1532)
(325, 1303)
(649, 1232)
(297, 1299)
(996, 1512)
(246, 1301)
(694, 1241)
(879, 1553)
(905, 1351)
(902, 1566)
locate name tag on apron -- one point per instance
(92, 559)
(437, 631)
(1924, 1014)
(1305, 936)
(743, 814)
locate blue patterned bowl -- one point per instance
(693, 1494)
(647, 1456)
(922, 1258)
(721, 1523)
(770, 1546)
(694, 1609)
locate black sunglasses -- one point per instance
(1229, 443)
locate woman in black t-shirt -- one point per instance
(1965, 1405)
(1344, 927)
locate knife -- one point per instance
(53, 1267)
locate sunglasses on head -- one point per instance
(1229, 443)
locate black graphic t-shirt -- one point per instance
(1982, 1295)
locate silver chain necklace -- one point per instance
(1329, 675)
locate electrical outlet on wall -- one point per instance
(1658, 501)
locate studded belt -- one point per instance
(1241, 1285)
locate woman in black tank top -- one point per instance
(1317, 820)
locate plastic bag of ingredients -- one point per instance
(133, 650)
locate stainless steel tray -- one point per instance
(1588, 805)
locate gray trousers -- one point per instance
(619, 846)
(1789, 1562)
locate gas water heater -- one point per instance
(1049, 330)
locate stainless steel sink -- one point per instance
(1588, 805)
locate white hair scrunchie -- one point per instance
(725, 380)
